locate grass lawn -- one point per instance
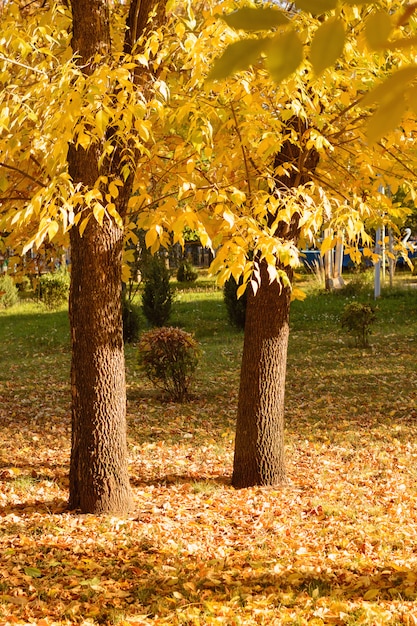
(337, 545)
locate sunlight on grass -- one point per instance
(334, 546)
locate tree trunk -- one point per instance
(99, 480)
(259, 446)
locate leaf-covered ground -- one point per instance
(336, 545)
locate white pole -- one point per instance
(377, 277)
(383, 255)
(391, 259)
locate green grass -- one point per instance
(336, 545)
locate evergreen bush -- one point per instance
(186, 272)
(157, 292)
(131, 323)
(236, 307)
(357, 318)
(8, 292)
(169, 357)
(53, 288)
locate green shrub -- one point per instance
(53, 288)
(357, 318)
(186, 272)
(157, 293)
(236, 307)
(8, 292)
(357, 283)
(131, 324)
(169, 357)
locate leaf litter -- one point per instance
(335, 545)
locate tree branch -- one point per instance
(242, 147)
(24, 174)
(26, 67)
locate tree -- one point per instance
(259, 447)
(80, 173)
(157, 293)
(286, 163)
(99, 480)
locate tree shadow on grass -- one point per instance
(242, 587)
(55, 506)
(22, 478)
(148, 575)
(196, 480)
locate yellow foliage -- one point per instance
(202, 153)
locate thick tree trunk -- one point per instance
(259, 446)
(99, 480)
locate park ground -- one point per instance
(336, 545)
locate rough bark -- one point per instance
(259, 447)
(99, 481)
(259, 457)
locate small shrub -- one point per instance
(169, 357)
(358, 283)
(131, 324)
(186, 272)
(54, 288)
(357, 318)
(157, 293)
(8, 292)
(24, 284)
(236, 307)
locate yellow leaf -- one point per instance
(125, 273)
(151, 237)
(53, 229)
(367, 252)
(142, 59)
(98, 212)
(327, 44)
(412, 98)
(394, 86)
(252, 19)
(298, 294)
(142, 129)
(101, 121)
(113, 190)
(316, 7)
(327, 244)
(229, 218)
(378, 28)
(238, 56)
(83, 140)
(385, 119)
(284, 55)
(372, 594)
(241, 290)
(111, 210)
